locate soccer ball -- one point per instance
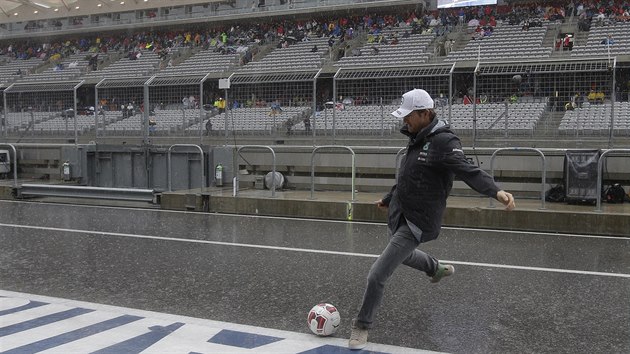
(323, 319)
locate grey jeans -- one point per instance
(401, 249)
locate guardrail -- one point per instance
(51, 190)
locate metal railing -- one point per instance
(543, 170)
(169, 167)
(273, 167)
(15, 179)
(600, 164)
(313, 167)
(127, 194)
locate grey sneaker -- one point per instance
(442, 271)
(358, 337)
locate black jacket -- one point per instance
(434, 156)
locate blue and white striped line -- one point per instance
(39, 324)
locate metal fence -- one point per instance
(363, 98)
(271, 103)
(49, 108)
(549, 100)
(155, 106)
(546, 99)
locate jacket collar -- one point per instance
(433, 127)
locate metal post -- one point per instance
(612, 102)
(226, 117)
(183, 119)
(450, 92)
(382, 119)
(474, 133)
(145, 115)
(325, 120)
(507, 105)
(96, 110)
(96, 101)
(201, 109)
(313, 115)
(5, 122)
(334, 101)
(76, 133)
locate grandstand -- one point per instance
(410, 50)
(596, 118)
(357, 120)
(296, 56)
(256, 120)
(69, 68)
(596, 44)
(296, 63)
(142, 63)
(521, 118)
(13, 69)
(205, 61)
(507, 42)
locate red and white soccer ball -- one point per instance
(323, 319)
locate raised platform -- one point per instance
(474, 212)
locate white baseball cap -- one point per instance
(413, 100)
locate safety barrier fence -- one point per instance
(148, 195)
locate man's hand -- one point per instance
(379, 203)
(506, 199)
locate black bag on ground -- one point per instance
(555, 194)
(615, 194)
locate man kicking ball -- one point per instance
(417, 202)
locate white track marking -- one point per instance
(305, 250)
(383, 224)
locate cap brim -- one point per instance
(401, 113)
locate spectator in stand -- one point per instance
(275, 108)
(566, 42)
(608, 40)
(525, 25)
(307, 125)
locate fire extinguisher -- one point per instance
(218, 175)
(66, 173)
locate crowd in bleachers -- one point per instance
(322, 34)
(228, 40)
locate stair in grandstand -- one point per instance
(579, 38)
(461, 37)
(548, 124)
